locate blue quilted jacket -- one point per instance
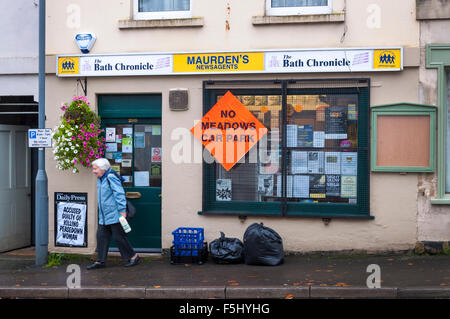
(111, 198)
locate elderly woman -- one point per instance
(111, 204)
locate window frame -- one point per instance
(438, 57)
(293, 11)
(160, 15)
(284, 208)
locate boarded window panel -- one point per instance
(403, 140)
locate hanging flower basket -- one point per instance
(78, 140)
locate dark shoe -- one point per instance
(96, 265)
(133, 262)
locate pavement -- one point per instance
(402, 276)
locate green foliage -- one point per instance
(54, 260)
(77, 137)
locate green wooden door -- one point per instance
(134, 151)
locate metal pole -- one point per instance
(41, 177)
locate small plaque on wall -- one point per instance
(178, 99)
(403, 138)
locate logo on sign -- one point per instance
(229, 130)
(387, 59)
(68, 65)
(33, 134)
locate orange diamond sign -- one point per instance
(228, 131)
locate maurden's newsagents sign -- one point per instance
(280, 61)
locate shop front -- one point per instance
(307, 174)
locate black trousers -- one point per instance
(104, 233)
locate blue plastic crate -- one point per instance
(198, 256)
(188, 241)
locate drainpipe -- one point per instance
(41, 177)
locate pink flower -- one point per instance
(75, 161)
(63, 107)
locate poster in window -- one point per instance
(110, 134)
(223, 190)
(319, 139)
(348, 186)
(333, 187)
(269, 164)
(70, 219)
(291, 133)
(305, 136)
(299, 162)
(317, 186)
(265, 185)
(315, 162)
(300, 187)
(336, 122)
(349, 163)
(352, 112)
(332, 163)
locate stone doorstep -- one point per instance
(225, 292)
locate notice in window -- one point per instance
(349, 162)
(319, 139)
(110, 134)
(333, 187)
(299, 162)
(336, 123)
(315, 162)
(301, 186)
(348, 186)
(265, 185)
(142, 178)
(332, 163)
(291, 133)
(223, 190)
(127, 145)
(305, 136)
(317, 186)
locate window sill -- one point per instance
(195, 22)
(335, 17)
(441, 201)
(277, 214)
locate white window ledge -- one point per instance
(194, 22)
(335, 17)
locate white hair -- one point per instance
(102, 164)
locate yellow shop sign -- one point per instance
(387, 59)
(218, 62)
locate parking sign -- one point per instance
(40, 137)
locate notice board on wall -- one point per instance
(403, 138)
(71, 219)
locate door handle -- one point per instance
(133, 195)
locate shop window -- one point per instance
(162, 9)
(312, 162)
(298, 7)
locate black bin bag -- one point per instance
(262, 246)
(226, 250)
